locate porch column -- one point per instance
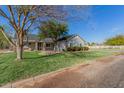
(44, 46)
(36, 45)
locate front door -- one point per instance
(39, 46)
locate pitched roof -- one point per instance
(66, 37)
(69, 37)
(47, 40)
(34, 37)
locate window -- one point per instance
(80, 45)
(29, 43)
(47, 45)
(70, 44)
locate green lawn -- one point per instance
(34, 64)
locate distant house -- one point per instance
(35, 43)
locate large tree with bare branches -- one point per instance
(21, 19)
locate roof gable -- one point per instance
(67, 38)
(36, 38)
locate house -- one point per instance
(35, 43)
(70, 41)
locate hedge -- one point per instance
(77, 48)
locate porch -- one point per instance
(40, 46)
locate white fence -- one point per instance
(106, 47)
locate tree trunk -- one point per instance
(19, 51)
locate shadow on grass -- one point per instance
(67, 54)
(43, 56)
(32, 57)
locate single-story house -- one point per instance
(35, 43)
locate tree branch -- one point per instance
(19, 17)
(8, 39)
(29, 26)
(12, 15)
(24, 20)
(4, 15)
(28, 17)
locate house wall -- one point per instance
(62, 45)
(32, 45)
(76, 41)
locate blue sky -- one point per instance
(104, 22)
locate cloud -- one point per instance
(115, 29)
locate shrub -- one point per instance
(77, 48)
(85, 48)
(69, 49)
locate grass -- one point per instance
(34, 63)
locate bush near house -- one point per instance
(77, 48)
(85, 48)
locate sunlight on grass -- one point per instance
(35, 63)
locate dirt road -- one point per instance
(106, 72)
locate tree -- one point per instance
(21, 19)
(54, 30)
(117, 40)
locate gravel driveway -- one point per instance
(103, 73)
